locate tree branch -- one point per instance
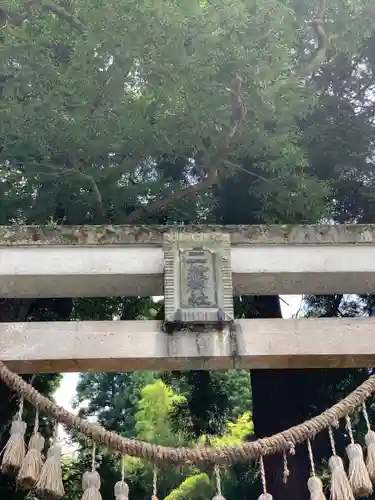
(160, 205)
(63, 14)
(9, 17)
(237, 118)
(16, 19)
(94, 187)
(238, 114)
(320, 53)
(211, 180)
(245, 171)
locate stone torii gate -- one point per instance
(202, 267)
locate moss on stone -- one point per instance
(153, 235)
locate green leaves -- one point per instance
(152, 419)
(195, 487)
(141, 80)
(236, 433)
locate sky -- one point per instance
(65, 394)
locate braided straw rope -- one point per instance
(224, 455)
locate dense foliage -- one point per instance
(107, 108)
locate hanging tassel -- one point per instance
(370, 460)
(370, 445)
(264, 495)
(315, 487)
(218, 495)
(91, 486)
(121, 491)
(121, 487)
(154, 484)
(50, 485)
(32, 463)
(288, 450)
(340, 486)
(91, 481)
(314, 484)
(286, 471)
(359, 478)
(14, 451)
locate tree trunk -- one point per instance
(278, 401)
(278, 405)
(14, 309)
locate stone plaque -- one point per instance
(197, 278)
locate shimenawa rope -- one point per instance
(224, 455)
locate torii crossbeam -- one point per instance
(99, 261)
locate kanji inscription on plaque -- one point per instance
(197, 278)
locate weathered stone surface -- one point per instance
(153, 235)
(82, 346)
(198, 278)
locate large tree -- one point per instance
(121, 112)
(93, 97)
(338, 137)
